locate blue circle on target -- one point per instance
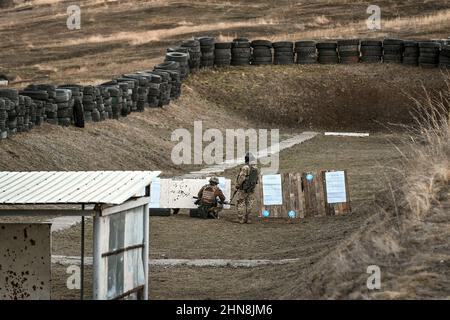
(266, 214)
(309, 177)
(292, 214)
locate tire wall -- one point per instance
(332, 102)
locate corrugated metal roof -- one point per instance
(73, 187)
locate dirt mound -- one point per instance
(142, 141)
(355, 97)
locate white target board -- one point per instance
(169, 193)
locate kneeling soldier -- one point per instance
(210, 199)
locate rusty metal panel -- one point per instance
(25, 261)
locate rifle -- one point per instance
(226, 202)
(232, 197)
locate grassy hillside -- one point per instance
(121, 36)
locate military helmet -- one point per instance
(249, 157)
(214, 180)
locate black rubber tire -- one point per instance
(283, 44)
(410, 61)
(429, 50)
(36, 95)
(327, 53)
(392, 59)
(178, 57)
(222, 45)
(372, 52)
(349, 54)
(328, 60)
(410, 44)
(206, 41)
(305, 44)
(374, 43)
(11, 94)
(428, 65)
(428, 60)
(240, 45)
(349, 60)
(429, 56)
(168, 65)
(393, 48)
(429, 44)
(371, 59)
(326, 45)
(78, 114)
(392, 42)
(261, 43)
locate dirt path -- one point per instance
(239, 263)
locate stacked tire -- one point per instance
(141, 90)
(3, 119)
(164, 87)
(306, 52)
(444, 57)
(27, 123)
(132, 92)
(240, 52)
(393, 50)
(172, 68)
(222, 54)
(429, 54)
(90, 104)
(183, 61)
(327, 52)
(348, 51)
(40, 99)
(11, 98)
(261, 52)
(107, 102)
(51, 106)
(371, 51)
(64, 102)
(411, 53)
(116, 100)
(20, 110)
(100, 115)
(207, 48)
(283, 53)
(77, 116)
(195, 54)
(126, 99)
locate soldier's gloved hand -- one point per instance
(197, 202)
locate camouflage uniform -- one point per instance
(245, 200)
(207, 196)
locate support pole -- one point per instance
(82, 257)
(146, 249)
(97, 257)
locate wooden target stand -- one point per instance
(305, 195)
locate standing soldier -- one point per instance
(246, 182)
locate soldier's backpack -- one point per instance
(209, 194)
(251, 181)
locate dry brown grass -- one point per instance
(429, 165)
(429, 23)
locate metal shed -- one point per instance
(117, 200)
